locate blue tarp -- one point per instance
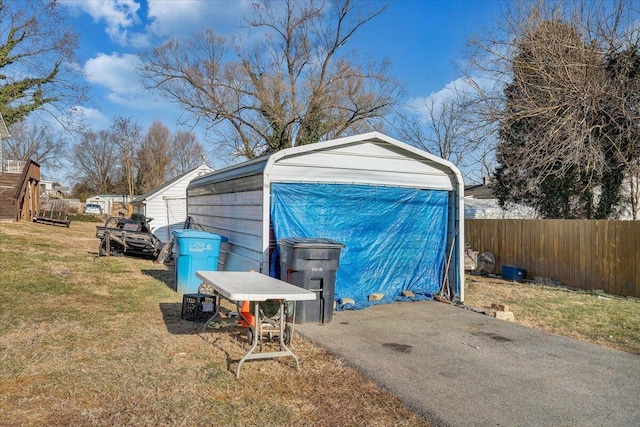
(395, 238)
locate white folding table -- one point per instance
(256, 287)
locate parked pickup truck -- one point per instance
(131, 236)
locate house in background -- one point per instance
(48, 189)
(111, 204)
(167, 204)
(480, 202)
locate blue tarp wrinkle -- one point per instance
(395, 238)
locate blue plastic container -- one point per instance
(510, 272)
(195, 250)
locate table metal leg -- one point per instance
(257, 335)
(215, 315)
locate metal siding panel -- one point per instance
(237, 216)
(242, 184)
(176, 214)
(246, 205)
(176, 210)
(156, 210)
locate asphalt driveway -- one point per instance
(456, 367)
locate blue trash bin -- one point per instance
(509, 272)
(195, 250)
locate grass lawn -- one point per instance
(99, 341)
(603, 319)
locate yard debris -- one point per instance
(441, 298)
(347, 304)
(470, 345)
(504, 315)
(56, 214)
(537, 280)
(376, 297)
(501, 311)
(500, 307)
(470, 258)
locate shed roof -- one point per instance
(154, 192)
(288, 156)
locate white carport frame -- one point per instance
(367, 159)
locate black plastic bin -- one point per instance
(311, 263)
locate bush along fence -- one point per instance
(587, 254)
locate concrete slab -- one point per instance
(456, 367)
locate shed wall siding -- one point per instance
(237, 216)
(168, 207)
(237, 185)
(155, 209)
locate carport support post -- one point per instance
(455, 234)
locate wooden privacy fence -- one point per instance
(587, 254)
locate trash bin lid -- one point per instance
(198, 234)
(310, 242)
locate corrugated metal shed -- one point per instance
(235, 201)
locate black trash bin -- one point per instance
(311, 263)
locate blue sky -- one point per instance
(422, 38)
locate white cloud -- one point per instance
(119, 15)
(90, 116)
(126, 26)
(452, 90)
(115, 72)
(170, 17)
(185, 17)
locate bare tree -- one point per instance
(127, 136)
(36, 141)
(187, 152)
(94, 156)
(567, 111)
(448, 129)
(294, 86)
(37, 68)
(154, 156)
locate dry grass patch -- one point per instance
(99, 341)
(603, 319)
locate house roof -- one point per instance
(480, 191)
(110, 196)
(150, 194)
